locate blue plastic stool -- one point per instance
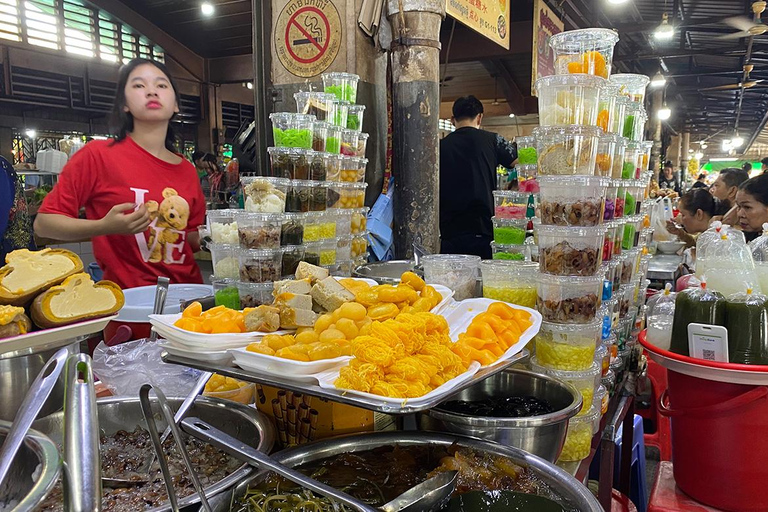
(638, 485)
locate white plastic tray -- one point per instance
(56, 335)
(460, 315)
(163, 324)
(447, 295)
(327, 379)
(214, 356)
(282, 366)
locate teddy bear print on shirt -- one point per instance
(168, 221)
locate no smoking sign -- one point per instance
(308, 36)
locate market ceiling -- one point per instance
(693, 60)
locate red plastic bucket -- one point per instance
(719, 441)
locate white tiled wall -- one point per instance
(82, 249)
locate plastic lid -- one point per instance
(573, 181)
(569, 80)
(362, 135)
(630, 80)
(356, 108)
(338, 74)
(577, 40)
(569, 232)
(572, 129)
(139, 302)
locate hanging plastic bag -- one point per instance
(747, 324)
(759, 248)
(661, 212)
(726, 262)
(126, 367)
(661, 314)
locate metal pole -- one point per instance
(415, 60)
(685, 156)
(656, 101)
(260, 71)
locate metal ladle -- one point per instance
(428, 496)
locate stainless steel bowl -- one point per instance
(385, 272)
(33, 473)
(540, 435)
(19, 368)
(576, 495)
(240, 421)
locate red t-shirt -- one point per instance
(104, 174)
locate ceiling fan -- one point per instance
(746, 84)
(747, 27)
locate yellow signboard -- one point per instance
(545, 25)
(488, 17)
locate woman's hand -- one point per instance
(117, 222)
(673, 228)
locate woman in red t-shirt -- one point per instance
(143, 202)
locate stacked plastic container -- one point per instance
(319, 163)
(579, 148)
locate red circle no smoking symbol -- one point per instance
(307, 35)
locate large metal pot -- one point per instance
(37, 456)
(18, 369)
(540, 435)
(576, 495)
(385, 272)
(240, 421)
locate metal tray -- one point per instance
(339, 395)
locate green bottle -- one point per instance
(747, 323)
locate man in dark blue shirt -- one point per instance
(469, 157)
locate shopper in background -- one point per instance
(700, 181)
(15, 222)
(764, 163)
(752, 203)
(668, 178)
(724, 189)
(143, 201)
(747, 167)
(697, 207)
(468, 160)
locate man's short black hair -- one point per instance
(764, 161)
(668, 163)
(747, 166)
(733, 177)
(701, 176)
(466, 107)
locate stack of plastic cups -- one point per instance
(526, 169)
(513, 212)
(576, 158)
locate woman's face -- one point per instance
(667, 172)
(149, 95)
(752, 213)
(693, 222)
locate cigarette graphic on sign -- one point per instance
(311, 29)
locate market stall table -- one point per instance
(664, 267)
(667, 497)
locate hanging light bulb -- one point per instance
(698, 155)
(617, 2)
(664, 112)
(207, 8)
(658, 80)
(737, 141)
(665, 31)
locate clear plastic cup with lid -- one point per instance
(316, 103)
(339, 113)
(353, 169)
(355, 117)
(253, 295)
(225, 260)
(631, 85)
(359, 220)
(292, 130)
(319, 134)
(332, 166)
(634, 122)
(260, 265)
(509, 231)
(512, 252)
(318, 196)
(333, 139)
(297, 197)
(317, 166)
(586, 381)
(459, 272)
(343, 222)
(342, 85)
(572, 200)
(568, 347)
(606, 152)
(526, 150)
(611, 110)
(266, 195)
(620, 148)
(359, 248)
(259, 230)
(571, 251)
(567, 150)
(222, 226)
(349, 142)
(568, 99)
(292, 229)
(346, 195)
(510, 204)
(344, 247)
(510, 281)
(588, 51)
(362, 144)
(569, 299)
(291, 257)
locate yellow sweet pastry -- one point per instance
(77, 298)
(27, 273)
(13, 321)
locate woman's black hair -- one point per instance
(699, 199)
(757, 187)
(120, 121)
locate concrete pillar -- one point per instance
(415, 61)
(685, 156)
(656, 101)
